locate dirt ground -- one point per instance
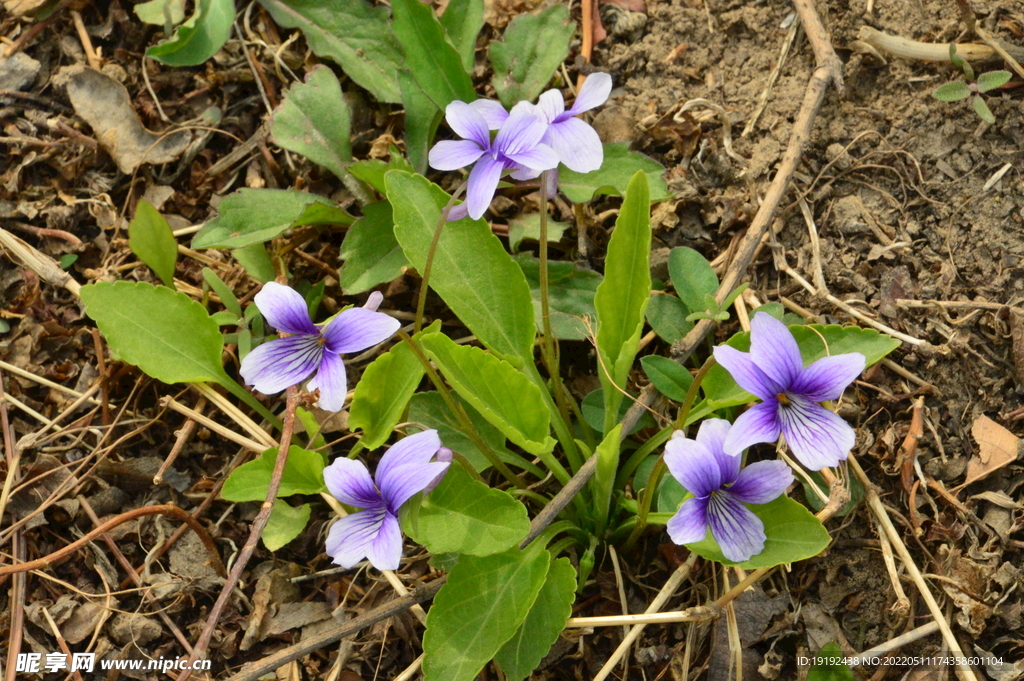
(898, 187)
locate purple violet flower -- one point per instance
(774, 371)
(720, 490)
(517, 146)
(576, 143)
(414, 464)
(282, 362)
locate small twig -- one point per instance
(908, 450)
(43, 381)
(762, 104)
(824, 54)
(183, 436)
(168, 510)
(226, 433)
(902, 605)
(83, 36)
(258, 525)
(899, 642)
(613, 554)
(61, 643)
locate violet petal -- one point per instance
(415, 449)
(454, 154)
(405, 481)
(745, 372)
(817, 437)
(762, 482)
(385, 550)
(468, 123)
(827, 378)
(540, 157)
(690, 523)
(774, 350)
(739, 533)
(282, 362)
(357, 329)
(330, 379)
(693, 465)
(349, 539)
(712, 435)
(483, 181)
(349, 482)
(284, 308)
(759, 423)
(593, 94)
(576, 144)
(493, 112)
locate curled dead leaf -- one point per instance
(996, 448)
(106, 106)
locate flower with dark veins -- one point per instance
(415, 464)
(720, 490)
(790, 394)
(311, 349)
(517, 147)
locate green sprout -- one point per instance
(951, 92)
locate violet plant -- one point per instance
(516, 434)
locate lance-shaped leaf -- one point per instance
(533, 47)
(547, 618)
(479, 610)
(434, 63)
(353, 33)
(252, 216)
(421, 120)
(150, 238)
(383, 392)
(471, 272)
(314, 120)
(504, 396)
(622, 297)
(462, 21)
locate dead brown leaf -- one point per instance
(996, 448)
(106, 106)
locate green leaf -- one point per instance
(151, 239)
(993, 79)
(353, 33)
(570, 295)
(463, 515)
(620, 164)
(533, 48)
(161, 12)
(722, 391)
(314, 120)
(692, 277)
(303, 474)
(434, 63)
(383, 392)
(792, 532)
(370, 250)
(371, 171)
(667, 316)
(286, 523)
(607, 454)
(224, 292)
(670, 378)
(502, 395)
(471, 272)
(430, 410)
(950, 92)
(165, 333)
(774, 309)
(828, 665)
(200, 37)
(421, 120)
(462, 21)
(253, 216)
(540, 630)
(479, 610)
(528, 227)
(255, 261)
(983, 111)
(622, 297)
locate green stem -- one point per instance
(659, 467)
(464, 421)
(421, 304)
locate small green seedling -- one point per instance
(715, 311)
(951, 92)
